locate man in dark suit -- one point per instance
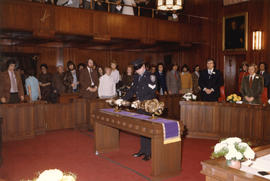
(252, 86)
(89, 81)
(11, 89)
(144, 87)
(210, 81)
(266, 76)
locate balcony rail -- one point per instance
(117, 7)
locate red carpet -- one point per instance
(72, 151)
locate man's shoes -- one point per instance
(146, 158)
(139, 154)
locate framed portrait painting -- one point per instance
(235, 32)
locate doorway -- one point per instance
(232, 65)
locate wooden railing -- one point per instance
(137, 9)
(48, 21)
(72, 112)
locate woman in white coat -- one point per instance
(128, 10)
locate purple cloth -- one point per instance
(171, 126)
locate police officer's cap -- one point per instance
(137, 64)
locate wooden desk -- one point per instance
(214, 120)
(217, 170)
(68, 97)
(166, 158)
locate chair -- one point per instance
(264, 97)
(222, 94)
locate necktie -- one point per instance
(92, 83)
(250, 81)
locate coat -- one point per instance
(214, 81)
(58, 83)
(85, 82)
(68, 80)
(173, 82)
(161, 82)
(5, 85)
(195, 83)
(143, 87)
(254, 91)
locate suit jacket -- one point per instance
(5, 85)
(85, 82)
(266, 78)
(208, 81)
(254, 91)
(173, 82)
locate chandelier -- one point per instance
(169, 5)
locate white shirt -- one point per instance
(128, 10)
(107, 87)
(210, 71)
(115, 75)
(13, 88)
(252, 76)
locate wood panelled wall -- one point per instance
(205, 37)
(258, 19)
(51, 56)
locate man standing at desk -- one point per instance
(210, 81)
(144, 87)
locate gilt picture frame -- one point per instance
(235, 32)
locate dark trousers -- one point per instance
(145, 142)
(145, 145)
(14, 98)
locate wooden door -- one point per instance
(232, 64)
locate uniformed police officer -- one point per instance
(144, 87)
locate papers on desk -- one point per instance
(260, 164)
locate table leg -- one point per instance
(106, 138)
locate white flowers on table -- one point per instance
(189, 96)
(233, 149)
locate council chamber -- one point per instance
(134, 90)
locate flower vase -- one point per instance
(234, 164)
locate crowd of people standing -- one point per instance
(92, 81)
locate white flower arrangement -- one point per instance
(55, 175)
(233, 149)
(189, 96)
